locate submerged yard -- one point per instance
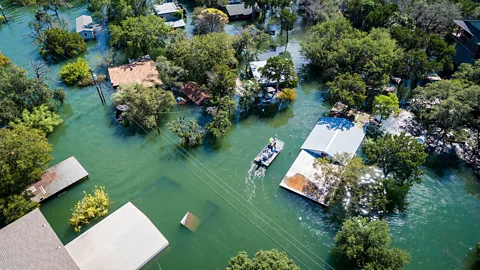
(238, 209)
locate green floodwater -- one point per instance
(439, 227)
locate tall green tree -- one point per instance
(318, 10)
(279, 71)
(399, 157)
(144, 104)
(264, 259)
(365, 14)
(41, 118)
(250, 43)
(366, 243)
(251, 90)
(74, 72)
(119, 10)
(385, 105)
(24, 156)
(172, 76)
(15, 207)
(139, 35)
(190, 133)
(221, 82)
(61, 44)
(209, 20)
(349, 89)
(413, 64)
(287, 21)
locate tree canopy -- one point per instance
(91, 206)
(349, 89)
(74, 72)
(385, 105)
(61, 44)
(280, 71)
(366, 14)
(221, 82)
(190, 133)
(209, 20)
(137, 36)
(264, 259)
(366, 243)
(41, 118)
(399, 157)
(287, 21)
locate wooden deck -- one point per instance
(258, 158)
(57, 178)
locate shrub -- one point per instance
(62, 44)
(41, 118)
(74, 72)
(288, 94)
(91, 206)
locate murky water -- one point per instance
(218, 184)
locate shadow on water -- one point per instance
(396, 196)
(471, 261)
(441, 164)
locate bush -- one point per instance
(91, 206)
(61, 44)
(190, 133)
(41, 118)
(288, 94)
(75, 72)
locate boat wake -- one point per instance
(254, 174)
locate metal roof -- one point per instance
(143, 72)
(469, 27)
(126, 239)
(57, 178)
(30, 243)
(334, 135)
(177, 24)
(238, 9)
(84, 22)
(166, 8)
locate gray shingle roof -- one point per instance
(30, 243)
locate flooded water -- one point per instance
(240, 207)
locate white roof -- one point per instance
(238, 9)
(334, 135)
(254, 66)
(126, 239)
(165, 8)
(177, 24)
(83, 22)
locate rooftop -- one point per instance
(177, 24)
(195, 93)
(57, 178)
(166, 8)
(238, 9)
(30, 243)
(334, 136)
(83, 22)
(144, 72)
(126, 239)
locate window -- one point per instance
(84, 34)
(467, 34)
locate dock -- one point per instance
(126, 239)
(258, 159)
(57, 178)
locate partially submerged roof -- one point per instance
(254, 66)
(126, 239)
(190, 221)
(238, 10)
(83, 22)
(144, 73)
(334, 136)
(177, 24)
(57, 178)
(195, 93)
(30, 243)
(166, 8)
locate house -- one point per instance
(142, 72)
(467, 37)
(31, 243)
(238, 12)
(173, 14)
(195, 93)
(57, 178)
(255, 72)
(84, 27)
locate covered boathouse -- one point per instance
(57, 178)
(329, 137)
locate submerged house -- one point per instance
(237, 12)
(195, 93)
(467, 37)
(172, 12)
(84, 27)
(141, 72)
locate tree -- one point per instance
(137, 36)
(366, 15)
(279, 71)
(4, 61)
(366, 243)
(346, 187)
(41, 118)
(74, 72)
(349, 89)
(318, 10)
(119, 10)
(15, 207)
(211, 3)
(436, 16)
(413, 64)
(249, 43)
(24, 156)
(468, 73)
(220, 123)
(61, 44)
(264, 259)
(59, 95)
(385, 105)
(190, 133)
(144, 104)
(287, 21)
(251, 89)
(221, 82)
(91, 206)
(399, 157)
(172, 76)
(98, 5)
(198, 56)
(288, 94)
(40, 69)
(209, 20)
(53, 5)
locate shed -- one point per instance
(173, 14)
(195, 93)
(126, 239)
(332, 136)
(238, 12)
(141, 72)
(58, 178)
(30, 243)
(84, 26)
